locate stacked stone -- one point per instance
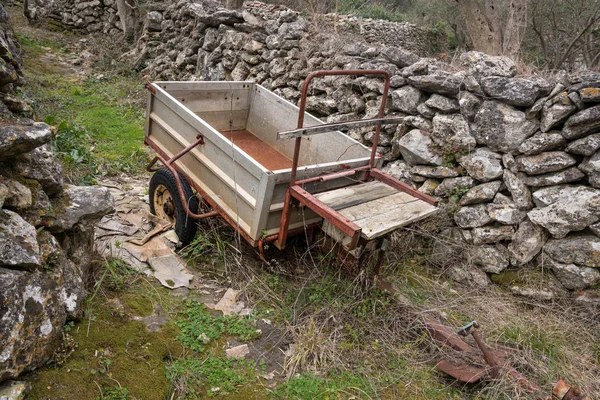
(46, 241)
(518, 157)
(11, 75)
(89, 16)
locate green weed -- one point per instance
(115, 393)
(193, 378)
(197, 326)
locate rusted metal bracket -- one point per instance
(563, 391)
(151, 88)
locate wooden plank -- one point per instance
(381, 216)
(313, 130)
(355, 195)
(270, 114)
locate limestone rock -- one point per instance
(502, 127)
(491, 259)
(590, 94)
(19, 196)
(582, 123)
(508, 160)
(43, 166)
(398, 169)
(19, 139)
(585, 146)
(554, 114)
(492, 234)
(574, 277)
(428, 187)
(442, 104)
(569, 213)
(481, 193)
(526, 243)
(521, 92)
(450, 186)
(583, 250)
(591, 165)
(568, 175)
(407, 99)
(595, 228)
(399, 56)
(14, 390)
(548, 195)
(416, 148)
(507, 214)
(434, 172)
(472, 216)
(481, 65)
(469, 104)
(30, 321)
(425, 111)
(541, 142)
(18, 245)
(544, 162)
(519, 191)
(82, 203)
(155, 20)
(452, 131)
(440, 83)
(320, 105)
(418, 122)
(482, 164)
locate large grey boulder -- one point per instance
(591, 165)
(30, 318)
(481, 65)
(492, 234)
(556, 111)
(482, 164)
(452, 186)
(19, 139)
(585, 146)
(82, 203)
(574, 211)
(18, 244)
(502, 127)
(491, 259)
(519, 190)
(520, 92)
(574, 277)
(43, 166)
(19, 196)
(568, 175)
(407, 99)
(472, 216)
(399, 57)
(582, 123)
(527, 242)
(583, 250)
(481, 193)
(451, 132)
(416, 148)
(541, 142)
(507, 214)
(544, 162)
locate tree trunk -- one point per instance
(235, 4)
(128, 18)
(484, 38)
(516, 24)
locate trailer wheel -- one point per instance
(166, 203)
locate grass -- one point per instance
(100, 116)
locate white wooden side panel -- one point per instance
(270, 114)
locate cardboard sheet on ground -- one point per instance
(141, 240)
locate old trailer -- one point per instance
(270, 169)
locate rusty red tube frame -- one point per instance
(333, 216)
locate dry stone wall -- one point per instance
(516, 158)
(46, 233)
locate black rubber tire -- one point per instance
(185, 226)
